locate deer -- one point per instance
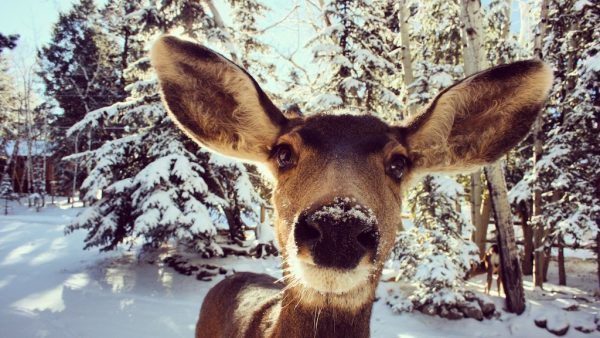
(491, 263)
(338, 181)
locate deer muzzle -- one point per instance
(337, 235)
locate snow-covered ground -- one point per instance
(50, 287)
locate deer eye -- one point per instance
(397, 166)
(284, 155)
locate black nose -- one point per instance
(338, 235)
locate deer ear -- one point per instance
(214, 101)
(478, 119)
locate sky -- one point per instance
(33, 20)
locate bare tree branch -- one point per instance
(277, 23)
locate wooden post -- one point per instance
(562, 275)
(512, 279)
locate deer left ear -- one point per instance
(477, 120)
(214, 101)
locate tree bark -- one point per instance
(236, 226)
(547, 252)
(474, 59)
(476, 206)
(538, 228)
(481, 226)
(509, 256)
(598, 253)
(231, 211)
(471, 17)
(406, 57)
(527, 264)
(562, 276)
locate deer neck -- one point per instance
(306, 313)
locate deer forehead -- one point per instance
(344, 136)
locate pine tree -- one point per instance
(433, 253)
(356, 61)
(501, 45)
(156, 184)
(8, 41)
(76, 71)
(570, 160)
(81, 74)
(7, 192)
(519, 174)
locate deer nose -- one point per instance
(338, 235)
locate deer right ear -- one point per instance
(214, 101)
(477, 120)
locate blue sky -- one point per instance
(33, 20)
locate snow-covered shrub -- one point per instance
(434, 254)
(152, 183)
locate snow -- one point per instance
(324, 102)
(38, 148)
(521, 191)
(580, 4)
(326, 48)
(340, 211)
(50, 287)
(442, 79)
(592, 63)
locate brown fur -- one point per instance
(491, 262)
(215, 102)
(221, 106)
(480, 118)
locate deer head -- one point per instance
(340, 178)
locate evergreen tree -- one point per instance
(501, 46)
(571, 160)
(76, 71)
(81, 72)
(157, 184)
(8, 41)
(433, 253)
(7, 192)
(356, 61)
(8, 97)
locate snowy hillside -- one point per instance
(50, 287)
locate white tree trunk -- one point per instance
(538, 231)
(512, 280)
(221, 24)
(474, 57)
(406, 56)
(509, 258)
(471, 37)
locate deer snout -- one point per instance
(338, 235)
